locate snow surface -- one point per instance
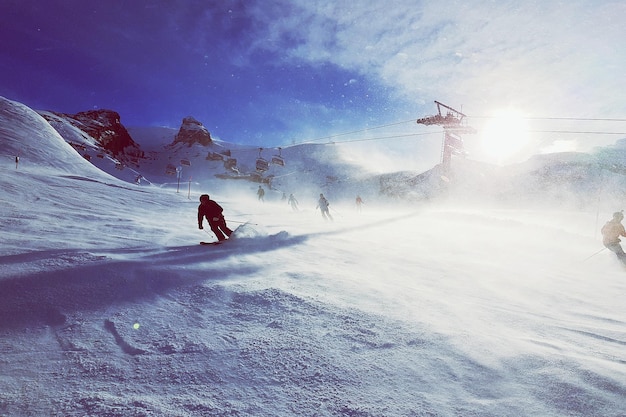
(109, 307)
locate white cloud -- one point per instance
(547, 59)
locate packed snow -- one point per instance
(110, 307)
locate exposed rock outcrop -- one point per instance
(105, 128)
(192, 131)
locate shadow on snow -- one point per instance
(70, 281)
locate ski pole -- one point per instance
(589, 257)
(235, 221)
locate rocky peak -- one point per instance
(192, 131)
(105, 127)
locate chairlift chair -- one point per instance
(262, 164)
(170, 169)
(214, 156)
(278, 159)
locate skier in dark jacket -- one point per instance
(213, 213)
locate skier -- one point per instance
(323, 206)
(17, 161)
(611, 233)
(293, 202)
(359, 203)
(261, 193)
(213, 213)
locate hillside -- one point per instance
(109, 307)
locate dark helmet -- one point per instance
(204, 197)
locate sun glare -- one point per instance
(505, 134)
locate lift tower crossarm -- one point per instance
(452, 119)
(453, 128)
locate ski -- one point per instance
(211, 243)
(217, 242)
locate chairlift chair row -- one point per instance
(263, 165)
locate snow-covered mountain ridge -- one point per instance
(162, 156)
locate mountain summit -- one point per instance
(192, 131)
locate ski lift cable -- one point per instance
(467, 116)
(357, 131)
(578, 119)
(577, 132)
(475, 117)
(304, 142)
(436, 133)
(406, 135)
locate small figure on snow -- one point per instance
(261, 193)
(17, 161)
(611, 233)
(323, 205)
(359, 203)
(213, 213)
(293, 202)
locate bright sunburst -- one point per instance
(505, 134)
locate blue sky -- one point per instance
(277, 72)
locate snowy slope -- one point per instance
(109, 307)
(27, 135)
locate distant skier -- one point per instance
(293, 202)
(213, 213)
(323, 205)
(611, 233)
(17, 161)
(359, 203)
(261, 193)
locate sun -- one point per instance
(504, 134)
